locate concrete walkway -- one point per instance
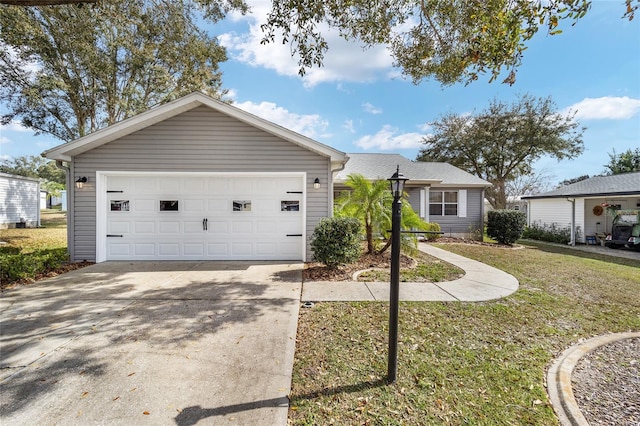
(480, 282)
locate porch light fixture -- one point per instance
(316, 183)
(81, 181)
(396, 183)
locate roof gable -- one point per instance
(67, 151)
(382, 166)
(620, 184)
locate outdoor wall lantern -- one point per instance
(396, 183)
(81, 181)
(316, 183)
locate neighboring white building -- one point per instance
(19, 201)
(582, 206)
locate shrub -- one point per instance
(336, 241)
(506, 226)
(15, 266)
(550, 233)
(434, 227)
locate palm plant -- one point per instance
(370, 202)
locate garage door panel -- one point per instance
(144, 249)
(194, 249)
(119, 249)
(118, 227)
(193, 206)
(144, 227)
(258, 231)
(170, 227)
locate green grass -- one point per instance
(461, 363)
(428, 269)
(31, 252)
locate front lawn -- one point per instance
(31, 253)
(461, 363)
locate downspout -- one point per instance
(333, 172)
(573, 221)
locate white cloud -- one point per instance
(345, 61)
(605, 108)
(5, 157)
(15, 126)
(310, 125)
(367, 107)
(4, 139)
(388, 139)
(348, 125)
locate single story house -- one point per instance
(19, 201)
(438, 192)
(582, 206)
(195, 179)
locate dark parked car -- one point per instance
(625, 230)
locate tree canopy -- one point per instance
(450, 40)
(500, 143)
(625, 162)
(69, 70)
(35, 167)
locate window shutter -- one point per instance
(462, 203)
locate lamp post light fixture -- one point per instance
(81, 181)
(396, 183)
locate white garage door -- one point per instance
(204, 217)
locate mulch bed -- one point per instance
(319, 272)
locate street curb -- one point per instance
(559, 377)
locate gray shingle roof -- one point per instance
(382, 166)
(622, 184)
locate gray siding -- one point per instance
(19, 199)
(462, 226)
(200, 140)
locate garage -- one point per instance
(200, 216)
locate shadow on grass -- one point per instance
(610, 258)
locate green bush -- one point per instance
(433, 227)
(506, 226)
(336, 241)
(550, 233)
(15, 266)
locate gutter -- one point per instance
(70, 197)
(332, 173)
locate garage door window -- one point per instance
(241, 205)
(119, 205)
(168, 205)
(290, 206)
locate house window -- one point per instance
(443, 203)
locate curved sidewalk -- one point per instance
(480, 282)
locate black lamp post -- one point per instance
(396, 182)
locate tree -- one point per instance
(451, 40)
(573, 180)
(35, 167)
(69, 70)
(625, 162)
(534, 183)
(370, 202)
(501, 143)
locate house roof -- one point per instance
(620, 184)
(382, 166)
(18, 177)
(67, 151)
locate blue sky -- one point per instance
(359, 103)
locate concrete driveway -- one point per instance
(151, 343)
